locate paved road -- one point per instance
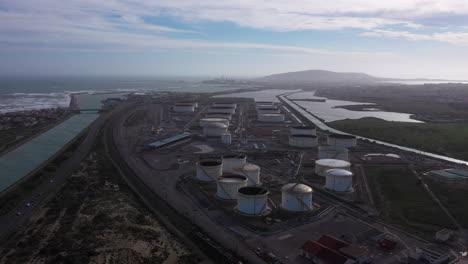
(151, 187)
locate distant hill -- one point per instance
(320, 76)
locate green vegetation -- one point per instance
(402, 200)
(449, 139)
(454, 198)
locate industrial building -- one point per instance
(169, 141)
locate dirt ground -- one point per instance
(94, 218)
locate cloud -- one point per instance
(456, 38)
(120, 26)
(123, 24)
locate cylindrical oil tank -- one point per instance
(204, 121)
(296, 197)
(265, 103)
(252, 172)
(271, 118)
(303, 130)
(222, 109)
(268, 110)
(214, 129)
(183, 108)
(209, 170)
(233, 162)
(339, 180)
(232, 105)
(226, 139)
(194, 103)
(303, 141)
(342, 140)
(228, 186)
(322, 165)
(218, 115)
(333, 152)
(252, 200)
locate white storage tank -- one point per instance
(268, 110)
(296, 197)
(333, 152)
(232, 163)
(231, 105)
(322, 165)
(183, 108)
(218, 115)
(339, 180)
(304, 130)
(193, 103)
(342, 140)
(303, 141)
(264, 103)
(271, 118)
(209, 170)
(252, 172)
(222, 109)
(226, 139)
(252, 201)
(204, 121)
(228, 186)
(214, 129)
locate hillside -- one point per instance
(320, 76)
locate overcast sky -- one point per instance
(394, 38)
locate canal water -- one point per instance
(21, 161)
(328, 110)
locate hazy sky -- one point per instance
(395, 38)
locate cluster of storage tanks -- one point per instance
(333, 158)
(217, 119)
(268, 112)
(238, 180)
(303, 137)
(333, 162)
(184, 107)
(224, 108)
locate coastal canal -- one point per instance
(23, 160)
(26, 158)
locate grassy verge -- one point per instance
(447, 139)
(453, 197)
(403, 201)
